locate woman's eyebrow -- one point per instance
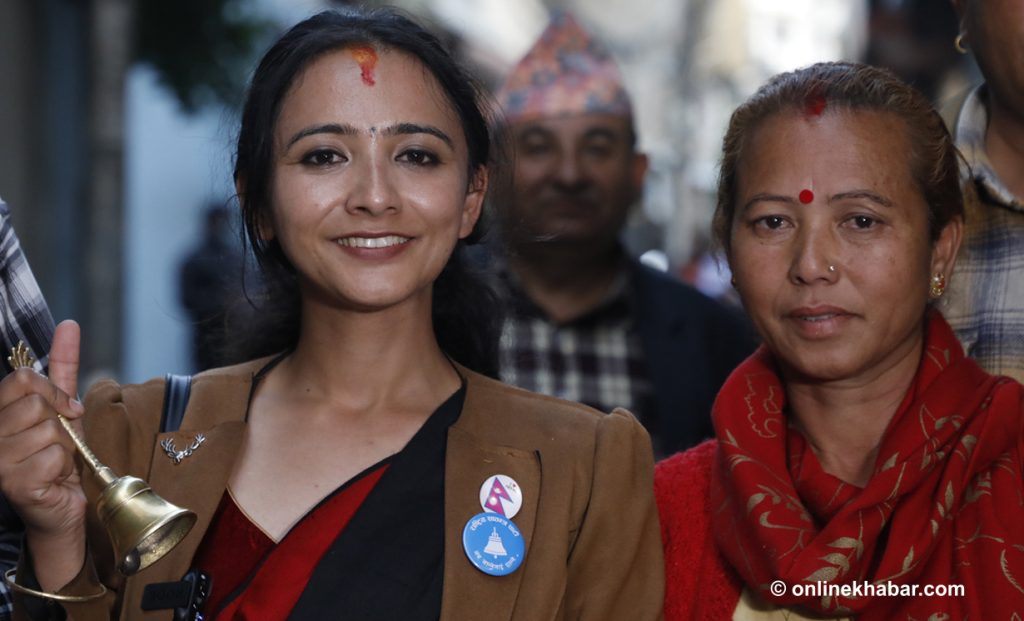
(874, 197)
(769, 198)
(414, 128)
(343, 129)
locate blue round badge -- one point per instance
(493, 544)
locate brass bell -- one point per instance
(142, 526)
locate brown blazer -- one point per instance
(593, 548)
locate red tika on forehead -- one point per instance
(806, 196)
(814, 105)
(366, 58)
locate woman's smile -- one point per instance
(373, 242)
(374, 247)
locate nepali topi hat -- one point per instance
(566, 72)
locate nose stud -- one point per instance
(832, 269)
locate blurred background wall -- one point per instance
(117, 119)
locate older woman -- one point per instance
(859, 454)
(366, 469)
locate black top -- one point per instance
(388, 562)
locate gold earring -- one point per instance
(938, 285)
(958, 43)
(733, 281)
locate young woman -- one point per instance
(354, 472)
(863, 466)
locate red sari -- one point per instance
(945, 505)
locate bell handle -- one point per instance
(104, 473)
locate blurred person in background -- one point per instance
(587, 322)
(911, 39)
(986, 301)
(210, 283)
(365, 467)
(858, 445)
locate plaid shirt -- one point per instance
(26, 319)
(596, 359)
(985, 301)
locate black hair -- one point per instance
(465, 310)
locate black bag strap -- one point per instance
(175, 400)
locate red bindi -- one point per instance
(366, 58)
(806, 196)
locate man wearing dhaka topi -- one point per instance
(586, 321)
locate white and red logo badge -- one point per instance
(501, 494)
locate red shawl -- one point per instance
(945, 504)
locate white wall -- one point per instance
(174, 166)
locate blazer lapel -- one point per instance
(468, 592)
(196, 482)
